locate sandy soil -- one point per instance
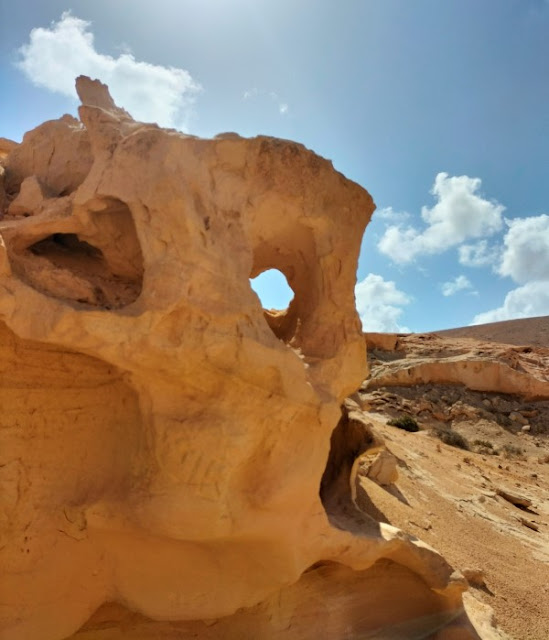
(448, 498)
(529, 331)
(451, 497)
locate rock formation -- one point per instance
(473, 476)
(174, 461)
(427, 358)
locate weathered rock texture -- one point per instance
(408, 360)
(163, 437)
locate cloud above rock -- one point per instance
(380, 304)
(55, 56)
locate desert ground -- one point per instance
(485, 507)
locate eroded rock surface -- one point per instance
(420, 359)
(164, 438)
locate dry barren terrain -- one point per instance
(473, 482)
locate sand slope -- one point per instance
(527, 331)
(453, 498)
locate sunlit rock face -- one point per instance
(164, 438)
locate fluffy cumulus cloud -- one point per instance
(526, 253)
(54, 57)
(460, 213)
(379, 304)
(478, 254)
(459, 283)
(528, 301)
(525, 259)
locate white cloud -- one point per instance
(459, 213)
(283, 108)
(388, 213)
(379, 303)
(479, 254)
(525, 259)
(54, 57)
(530, 300)
(459, 283)
(526, 254)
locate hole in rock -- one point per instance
(73, 269)
(349, 440)
(273, 290)
(102, 267)
(277, 299)
(65, 247)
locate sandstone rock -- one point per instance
(6, 146)
(381, 468)
(164, 436)
(530, 524)
(515, 416)
(474, 577)
(455, 632)
(431, 362)
(57, 153)
(3, 198)
(382, 341)
(29, 200)
(513, 497)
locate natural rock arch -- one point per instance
(202, 498)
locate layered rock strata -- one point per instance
(419, 359)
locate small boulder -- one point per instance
(382, 469)
(514, 498)
(29, 199)
(515, 416)
(475, 577)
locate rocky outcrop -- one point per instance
(426, 359)
(170, 460)
(383, 341)
(6, 146)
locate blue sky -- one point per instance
(439, 109)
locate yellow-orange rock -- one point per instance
(163, 437)
(382, 341)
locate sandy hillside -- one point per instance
(528, 331)
(485, 506)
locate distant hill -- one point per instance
(526, 331)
